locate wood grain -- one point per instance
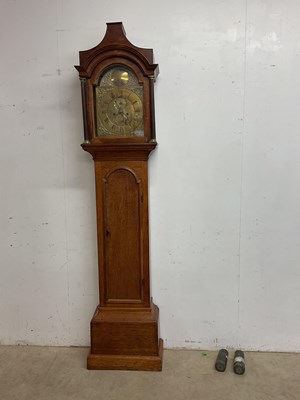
(122, 220)
(121, 362)
(123, 237)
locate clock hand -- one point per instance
(124, 115)
(116, 106)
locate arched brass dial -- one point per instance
(119, 104)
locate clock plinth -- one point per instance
(117, 84)
(125, 339)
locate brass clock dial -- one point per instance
(119, 104)
(121, 112)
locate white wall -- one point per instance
(224, 180)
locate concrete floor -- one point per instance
(48, 373)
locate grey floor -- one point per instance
(44, 373)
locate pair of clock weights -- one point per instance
(117, 87)
(238, 362)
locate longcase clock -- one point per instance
(117, 85)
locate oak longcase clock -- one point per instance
(117, 86)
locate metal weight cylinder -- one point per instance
(239, 362)
(221, 360)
